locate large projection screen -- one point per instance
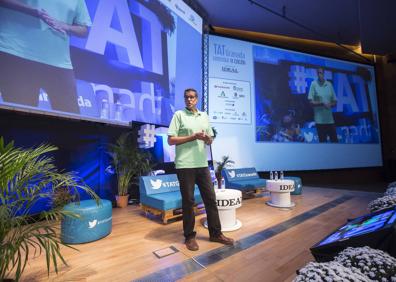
(261, 101)
(132, 64)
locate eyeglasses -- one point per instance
(192, 97)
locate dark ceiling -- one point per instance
(367, 22)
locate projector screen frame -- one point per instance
(313, 50)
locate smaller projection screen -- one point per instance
(276, 109)
(115, 61)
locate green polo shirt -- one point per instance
(30, 38)
(184, 123)
(325, 94)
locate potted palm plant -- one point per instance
(26, 177)
(225, 162)
(129, 162)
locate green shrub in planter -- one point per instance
(26, 177)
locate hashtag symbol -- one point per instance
(311, 74)
(298, 82)
(146, 138)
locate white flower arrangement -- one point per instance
(375, 264)
(329, 271)
(382, 203)
(390, 191)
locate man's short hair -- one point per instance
(320, 68)
(191, 90)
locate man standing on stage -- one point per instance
(322, 97)
(190, 131)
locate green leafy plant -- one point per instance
(214, 132)
(26, 177)
(224, 163)
(129, 162)
(62, 196)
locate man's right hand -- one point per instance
(177, 140)
(200, 136)
(53, 23)
(328, 105)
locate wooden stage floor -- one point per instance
(271, 245)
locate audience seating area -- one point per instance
(243, 179)
(160, 195)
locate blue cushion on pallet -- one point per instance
(168, 200)
(243, 179)
(163, 192)
(246, 184)
(94, 222)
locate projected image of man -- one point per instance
(322, 98)
(34, 51)
(190, 131)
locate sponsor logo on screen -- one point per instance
(229, 69)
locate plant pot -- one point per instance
(122, 201)
(219, 183)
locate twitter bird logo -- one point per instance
(92, 223)
(156, 184)
(308, 137)
(231, 173)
